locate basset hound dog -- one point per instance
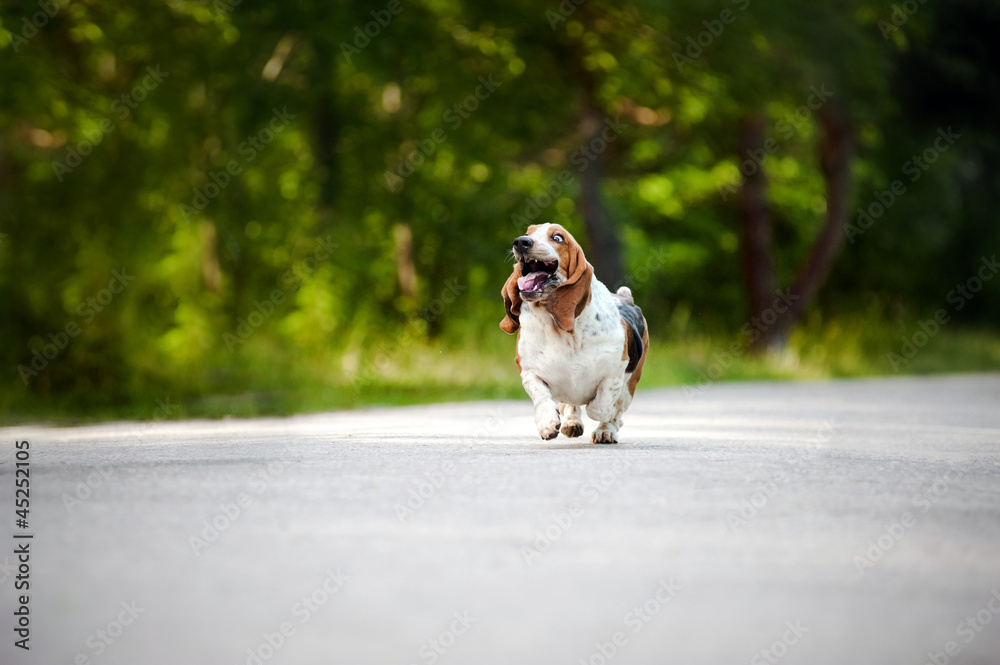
(578, 344)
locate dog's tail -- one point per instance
(626, 293)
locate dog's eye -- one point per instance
(557, 238)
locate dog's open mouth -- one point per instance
(536, 275)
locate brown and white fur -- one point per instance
(578, 344)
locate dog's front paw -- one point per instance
(605, 433)
(549, 429)
(572, 429)
(547, 420)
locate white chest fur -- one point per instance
(573, 364)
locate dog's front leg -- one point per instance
(546, 409)
(603, 407)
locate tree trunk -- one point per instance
(326, 125)
(405, 268)
(757, 230)
(605, 247)
(835, 153)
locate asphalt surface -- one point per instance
(837, 522)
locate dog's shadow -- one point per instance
(581, 445)
(631, 445)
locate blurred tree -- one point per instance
(314, 185)
(767, 301)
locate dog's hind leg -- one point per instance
(572, 425)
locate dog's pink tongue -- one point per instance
(529, 282)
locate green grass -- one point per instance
(271, 381)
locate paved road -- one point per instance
(844, 522)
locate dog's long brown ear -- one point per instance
(512, 302)
(572, 295)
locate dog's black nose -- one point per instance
(523, 243)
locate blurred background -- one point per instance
(214, 207)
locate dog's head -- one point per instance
(550, 269)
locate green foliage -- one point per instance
(305, 209)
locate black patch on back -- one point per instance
(632, 316)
